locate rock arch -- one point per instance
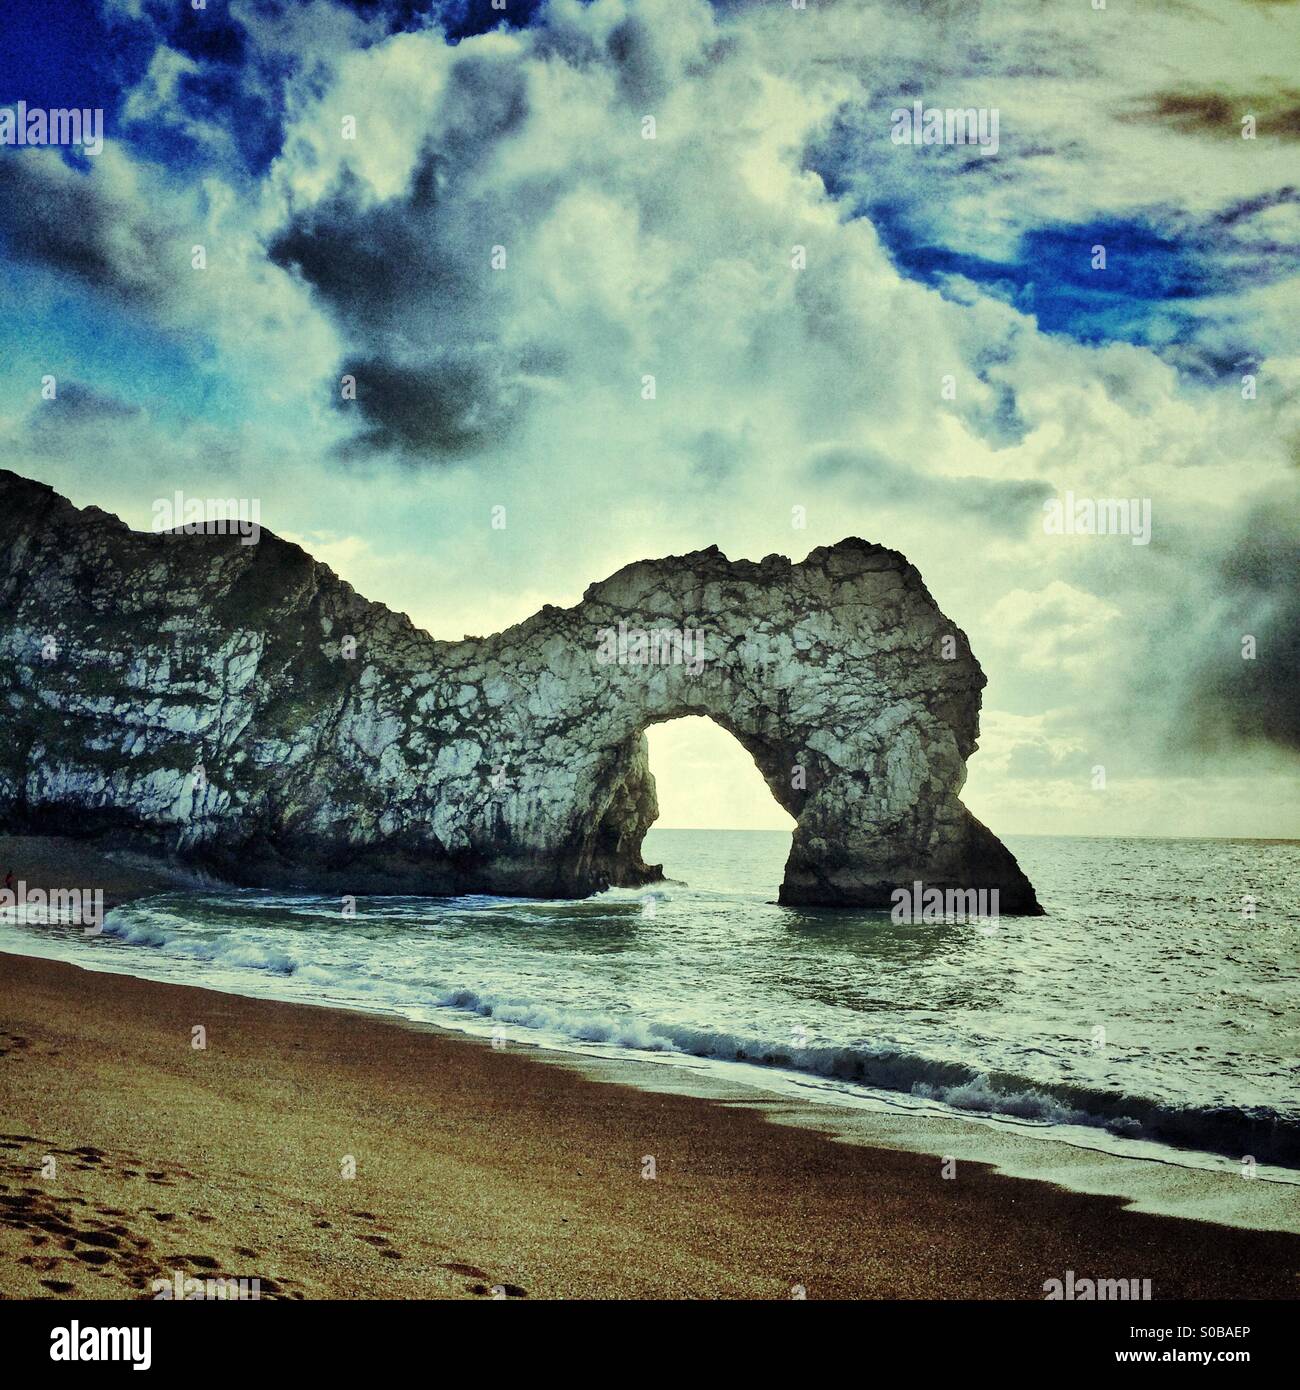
(515, 763)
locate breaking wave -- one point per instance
(1260, 1132)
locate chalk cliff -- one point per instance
(241, 708)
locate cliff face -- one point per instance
(240, 707)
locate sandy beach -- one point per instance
(479, 1169)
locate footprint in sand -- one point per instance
(105, 1238)
(382, 1246)
(201, 1261)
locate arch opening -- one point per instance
(719, 825)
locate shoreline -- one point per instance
(1149, 1175)
(478, 1167)
(51, 862)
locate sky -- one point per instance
(458, 206)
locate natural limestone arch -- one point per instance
(344, 749)
(856, 698)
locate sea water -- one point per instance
(1156, 1002)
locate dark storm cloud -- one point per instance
(999, 504)
(413, 308)
(365, 264)
(450, 407)
(55, 216)
(377, 265)
(1256, 593)
(411, 292)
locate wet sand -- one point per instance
(479, 1169)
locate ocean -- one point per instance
(1155, 1003)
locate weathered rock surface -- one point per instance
(196, 695)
